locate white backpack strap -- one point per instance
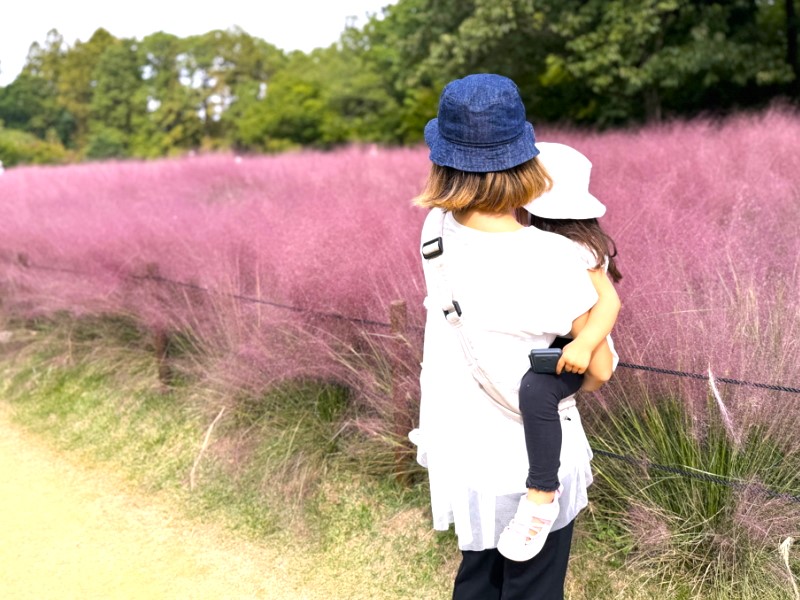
(433, 252)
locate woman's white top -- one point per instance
(518, 291)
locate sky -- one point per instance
(288, 24)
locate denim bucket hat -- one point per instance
(481, 126)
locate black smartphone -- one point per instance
(544, 360)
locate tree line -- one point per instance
(597, 63)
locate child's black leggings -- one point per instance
(539, 395)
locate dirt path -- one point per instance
(71, 532)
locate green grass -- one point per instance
(283, 468)
(277, 470)
(694, 537)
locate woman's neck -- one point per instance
(490, 222)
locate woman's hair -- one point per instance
(497, 192)
(587, 232)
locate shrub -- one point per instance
(19, 147)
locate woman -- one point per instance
(507, 289)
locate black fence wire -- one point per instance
(241, 298)
(699, 475)
(362, 321)
(645, 463)
(765, 386)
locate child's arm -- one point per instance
(601, 364)
(577, 354)
(600, 368)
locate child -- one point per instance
(570, 210)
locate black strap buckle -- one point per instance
(432, 248)
(456, 307)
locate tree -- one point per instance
(28, 104)
(420, 45)
(595, 61)
(638, 56)
(75, 80)
(171, 122)
(45, 62)
(392, 48)
(292, 112)
(32, 98)
(598, 62)
(792, 25)
(251, 64)
(118, 101)
(219, 66)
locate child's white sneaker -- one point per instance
(523, 538)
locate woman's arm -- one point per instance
(577, 355)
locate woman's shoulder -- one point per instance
(552, 242)
(432, 224)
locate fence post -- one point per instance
(161, 345)
(152, 270)
(159, 335)
(399, 357)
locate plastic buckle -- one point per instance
(433, 248)
(456, 307)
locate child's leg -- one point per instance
(539, 395)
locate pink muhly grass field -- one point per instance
(333, 233)
(705, 217)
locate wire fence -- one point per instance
(700, 476)
(765, 386)
(23, 261)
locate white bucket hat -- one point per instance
(569, 198)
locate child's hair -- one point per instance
(587, 232)
(496, 192)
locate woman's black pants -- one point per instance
(539, 395)
(487, 575)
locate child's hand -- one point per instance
(575, 358)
